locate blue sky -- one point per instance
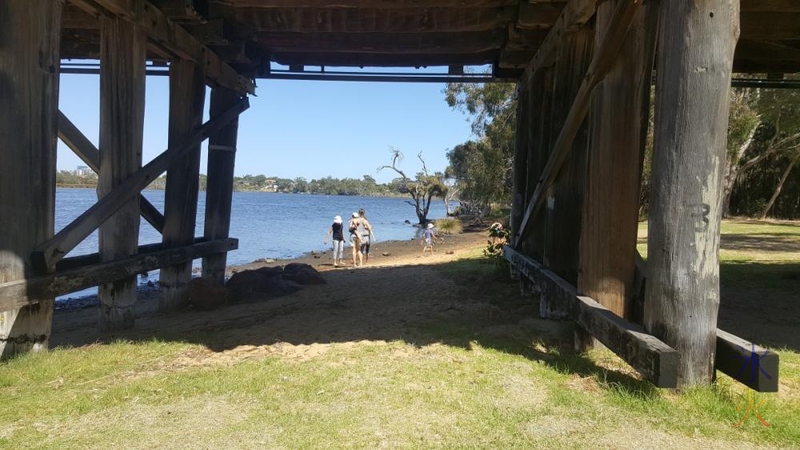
(302, 128)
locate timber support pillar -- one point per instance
(122, 91)
(696, 44)
(186, 101)
(219, 189)
(29, 72)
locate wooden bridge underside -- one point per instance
(249, 34)
(583, 69)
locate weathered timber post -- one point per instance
(564, 206)
(619, 116)
(30, 38)
(696, 41)
(219, 189)
(122, 90)
(186, 101)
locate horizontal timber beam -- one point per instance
(652, 358)
(369, 20)
(49, 253)
(603, 59)
(747, 363)
(383, 4)
(384, 59)
(14, 295)
(88, 153)
(769, 6)
(394, 43)
(171, 37)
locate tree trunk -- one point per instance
(696, 42)
(778, 189)
(732, 173)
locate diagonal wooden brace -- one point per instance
(45, 256)
(88, 153)
(603, 60)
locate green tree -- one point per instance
(421, 189)
(483, 167)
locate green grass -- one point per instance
(464, 380)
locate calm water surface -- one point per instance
(268, 225)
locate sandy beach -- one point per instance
(396, 266)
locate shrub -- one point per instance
(448, 226)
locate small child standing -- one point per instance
(427, 239)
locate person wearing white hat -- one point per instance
(428, 236)
(337, 241)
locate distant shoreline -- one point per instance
(93, 187)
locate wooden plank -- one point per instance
(395, 43)
(566, 202)
(172, 37)
(603, 59)
(219, 185)
(186, 102)
(691, 118)
(784, 6)
(521, 148)
(12, 294)
(770, 25)
(613, 178)
(88, 153)
(52, 251)
(381, 4)
(384, 59)
(122, 94)
(573, 16)
(747, 363)
(652, 358)
(368, 20)
(538, 16)
(29, 81)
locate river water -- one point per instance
(268, 225)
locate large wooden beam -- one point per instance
(395, 43)
(47, 254)
(13, 294)
(619, 117)
(378, 4)
(88, 153)
(691, 117)
(652, 358)
(747, 363)
(384, 59)
(369, 20)
(122, 93)
(604, 57)
(186, 102)
(771, 25)
(29, 75)
(219, 185)
(171, 37)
